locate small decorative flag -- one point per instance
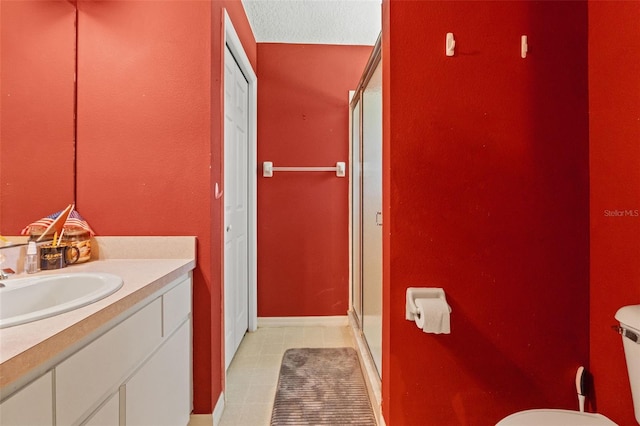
(73, 221)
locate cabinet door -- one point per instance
(159, 393)
(31, 406)
(107, 415)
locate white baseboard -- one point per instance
(328, 321)
(201, 420)
(212, 419)
(218, 409)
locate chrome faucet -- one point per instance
(4, 273)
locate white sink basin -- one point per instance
(28, 299)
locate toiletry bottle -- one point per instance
(31, 261)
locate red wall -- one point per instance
(614, 111)
(303, 120)
(37, 57)
(486, 187)
(150, 140)
(485, 184)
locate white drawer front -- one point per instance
(31, 406)
(176, 306)
(86, 378)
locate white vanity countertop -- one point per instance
(25, 349)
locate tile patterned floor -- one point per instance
(252, 377)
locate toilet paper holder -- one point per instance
(414, 293)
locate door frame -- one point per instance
(353, 211)
(232, 40)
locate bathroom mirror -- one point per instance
(37, 129)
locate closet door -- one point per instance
(372, 215)
(236, 200)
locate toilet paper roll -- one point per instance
(433, 315)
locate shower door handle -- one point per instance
(379, 218)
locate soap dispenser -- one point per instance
(31, 261)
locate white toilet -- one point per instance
(629, 318)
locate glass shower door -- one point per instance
(371, 216)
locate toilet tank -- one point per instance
(629, 318)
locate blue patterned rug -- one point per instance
(321, 386)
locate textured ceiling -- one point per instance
(355, 22)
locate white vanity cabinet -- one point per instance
(136, 373)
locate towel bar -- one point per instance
(268, 169)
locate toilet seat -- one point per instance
(548, 417)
